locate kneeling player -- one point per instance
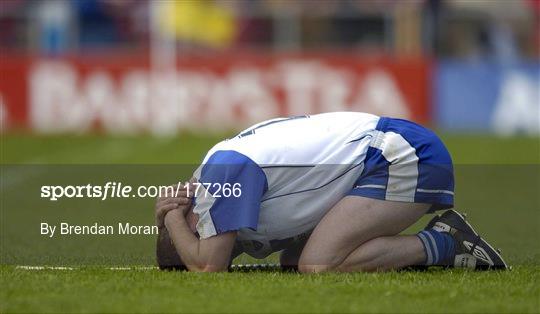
(331, 191)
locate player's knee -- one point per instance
(311, 263)
(306, 269)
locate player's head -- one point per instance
(166, 254)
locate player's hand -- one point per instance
(180, 200)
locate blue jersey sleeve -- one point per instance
(219, 210)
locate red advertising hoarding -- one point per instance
(118, 93)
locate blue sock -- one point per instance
(439, 247)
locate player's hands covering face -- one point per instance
(179, 200)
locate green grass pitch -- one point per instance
(497, 184)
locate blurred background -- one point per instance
(132, 66)
(498, 29)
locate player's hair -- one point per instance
(166, 255)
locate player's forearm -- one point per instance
(185, 242)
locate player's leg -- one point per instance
(353, 222)
(385, 253)
(448, 240)
(407, 171)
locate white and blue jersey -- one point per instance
(291, 171)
